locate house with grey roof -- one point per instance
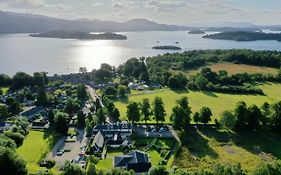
(98, 143)
(136, 160)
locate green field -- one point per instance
(218, 102)
(207, 146)
(35, 146)
(232, 68)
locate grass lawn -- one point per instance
(218, 102)
(206, 147)
(35, 146)
(232, 68)
(105, 164)
(4, 89)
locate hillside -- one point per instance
(30, 23)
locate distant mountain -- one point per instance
(30, 23)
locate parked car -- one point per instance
(162, 129)
(59, 153)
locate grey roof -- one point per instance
(32, 111)
(131, 158)
(99, 140)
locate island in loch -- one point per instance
(166, 47)
(196, 32)
(244, 36)
(80, 35)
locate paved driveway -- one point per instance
(80, 140)
(142, 132)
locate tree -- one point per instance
(227, 120)
(196, 117)
(4, 112)
(177, 117)
(51, 116)
(277, 116)
(145, 110)
(115, 114)
(159, 110)
(178, 80)
(72, 106)
(122, 91)
(7, 142)
(42, 99)
(91, 169)
(242, 114)
(5, 80)
(110, 91)
(205, 114)
(183, 102)
(61, 122)
(82, 92)
(15, 136)
(81, 119)
(11, 163)
(273, 168)
(100, 116)
(14, 108)
(72, 169)
(133, 112)
(158, 170)
(255, 117)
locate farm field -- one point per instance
(208, 146)
(218, 102)
(232, 68)
(35, 146)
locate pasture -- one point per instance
(218, 102)
(232, 68)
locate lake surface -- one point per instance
(19, 52)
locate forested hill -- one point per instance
(198, 58)
(245, 36)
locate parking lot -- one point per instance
(153, 131)
(70, 150)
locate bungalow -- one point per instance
(137, 161)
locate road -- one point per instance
(92, 92)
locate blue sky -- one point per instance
(164, 11)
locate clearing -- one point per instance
(218, 102)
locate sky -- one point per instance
(181, 12)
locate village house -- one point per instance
(136, 160)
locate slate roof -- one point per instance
(121, 127)
(99, 140)
(136, 160)
(32, 111)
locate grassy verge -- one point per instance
(218, 102)
(35, 147)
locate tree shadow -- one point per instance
(196, 144)
(258, 142)
(209, 93)
(124, 99)
(180, 91)
(219, 135)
